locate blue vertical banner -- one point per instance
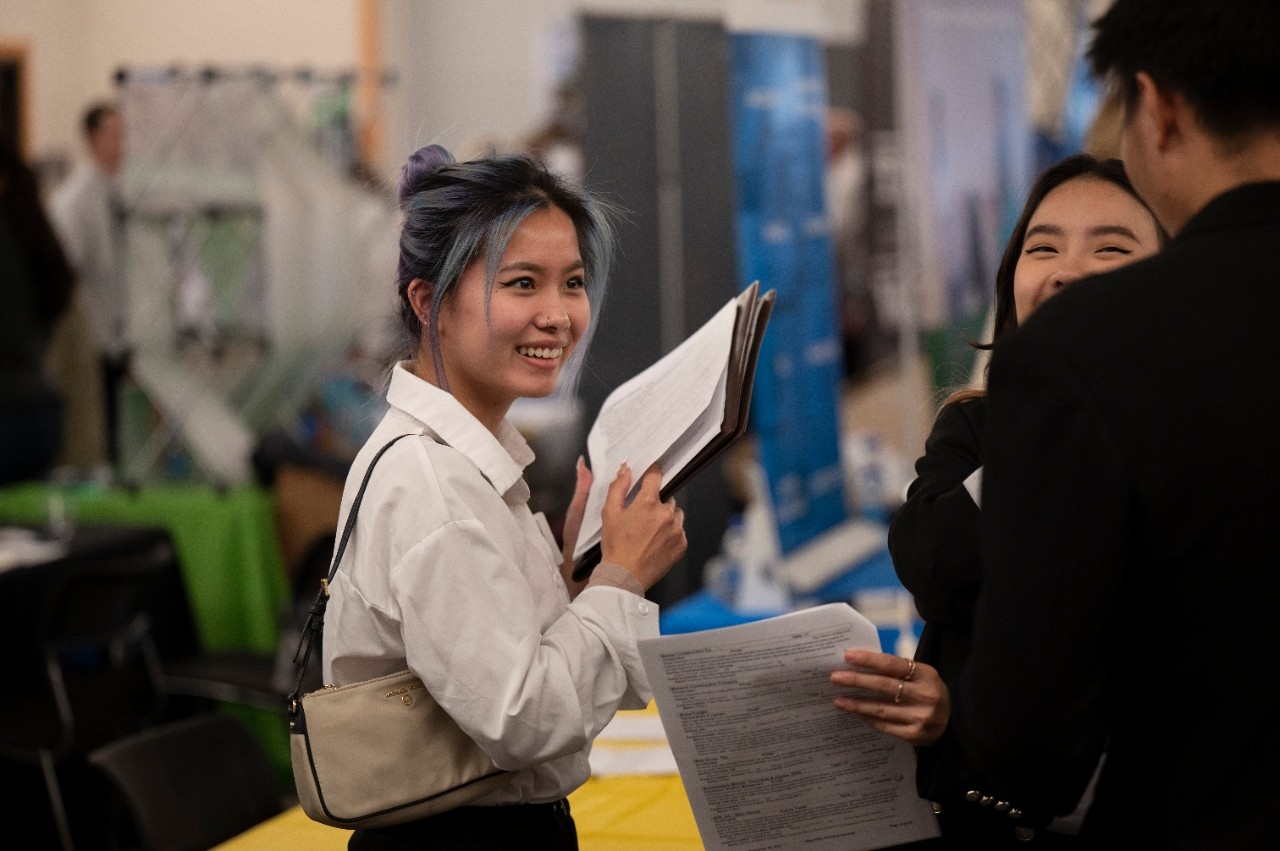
(779, 104)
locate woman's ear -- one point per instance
(419, 292)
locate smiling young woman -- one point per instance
(1081, 218)
(448, 572)
(1083, 227)
(513, 340)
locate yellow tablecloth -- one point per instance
(634, 814)
(612, 814)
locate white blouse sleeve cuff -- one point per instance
(616, 576)
(622, 619)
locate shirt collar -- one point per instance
(501, 459)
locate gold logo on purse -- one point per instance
(404, 689)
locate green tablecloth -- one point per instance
(226, 542)
(230, 557)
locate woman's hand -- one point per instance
(901, 697)
(572, 526)
(647, 536)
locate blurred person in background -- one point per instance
(36, 283)
(88, 214)
(865, 340)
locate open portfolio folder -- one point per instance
(680, 413)
(766, 758)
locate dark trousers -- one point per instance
(114, 370)
(527, 827)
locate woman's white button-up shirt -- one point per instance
(450, 574)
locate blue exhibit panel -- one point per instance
(784, 241)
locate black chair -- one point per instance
(251, 678)
(98, 673)
(190, 784)
(254, 678)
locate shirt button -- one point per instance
(644, 608)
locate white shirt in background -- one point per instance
(85, 213)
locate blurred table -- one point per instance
(231, 567)
(225, 540)
(27, 586)
(33, 570)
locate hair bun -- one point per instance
(421, 164)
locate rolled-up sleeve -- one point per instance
(526, 691)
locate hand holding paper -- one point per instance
(647, 535)
(898, 696)
(679, 413)
(767, 760)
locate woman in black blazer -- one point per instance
(1082, 217)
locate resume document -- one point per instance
(767, 759)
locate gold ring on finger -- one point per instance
(911, 672)
(897, 698)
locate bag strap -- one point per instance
(314, 624)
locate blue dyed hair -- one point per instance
(455, 211)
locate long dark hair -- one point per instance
(1070, 168)
(1077, 165)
